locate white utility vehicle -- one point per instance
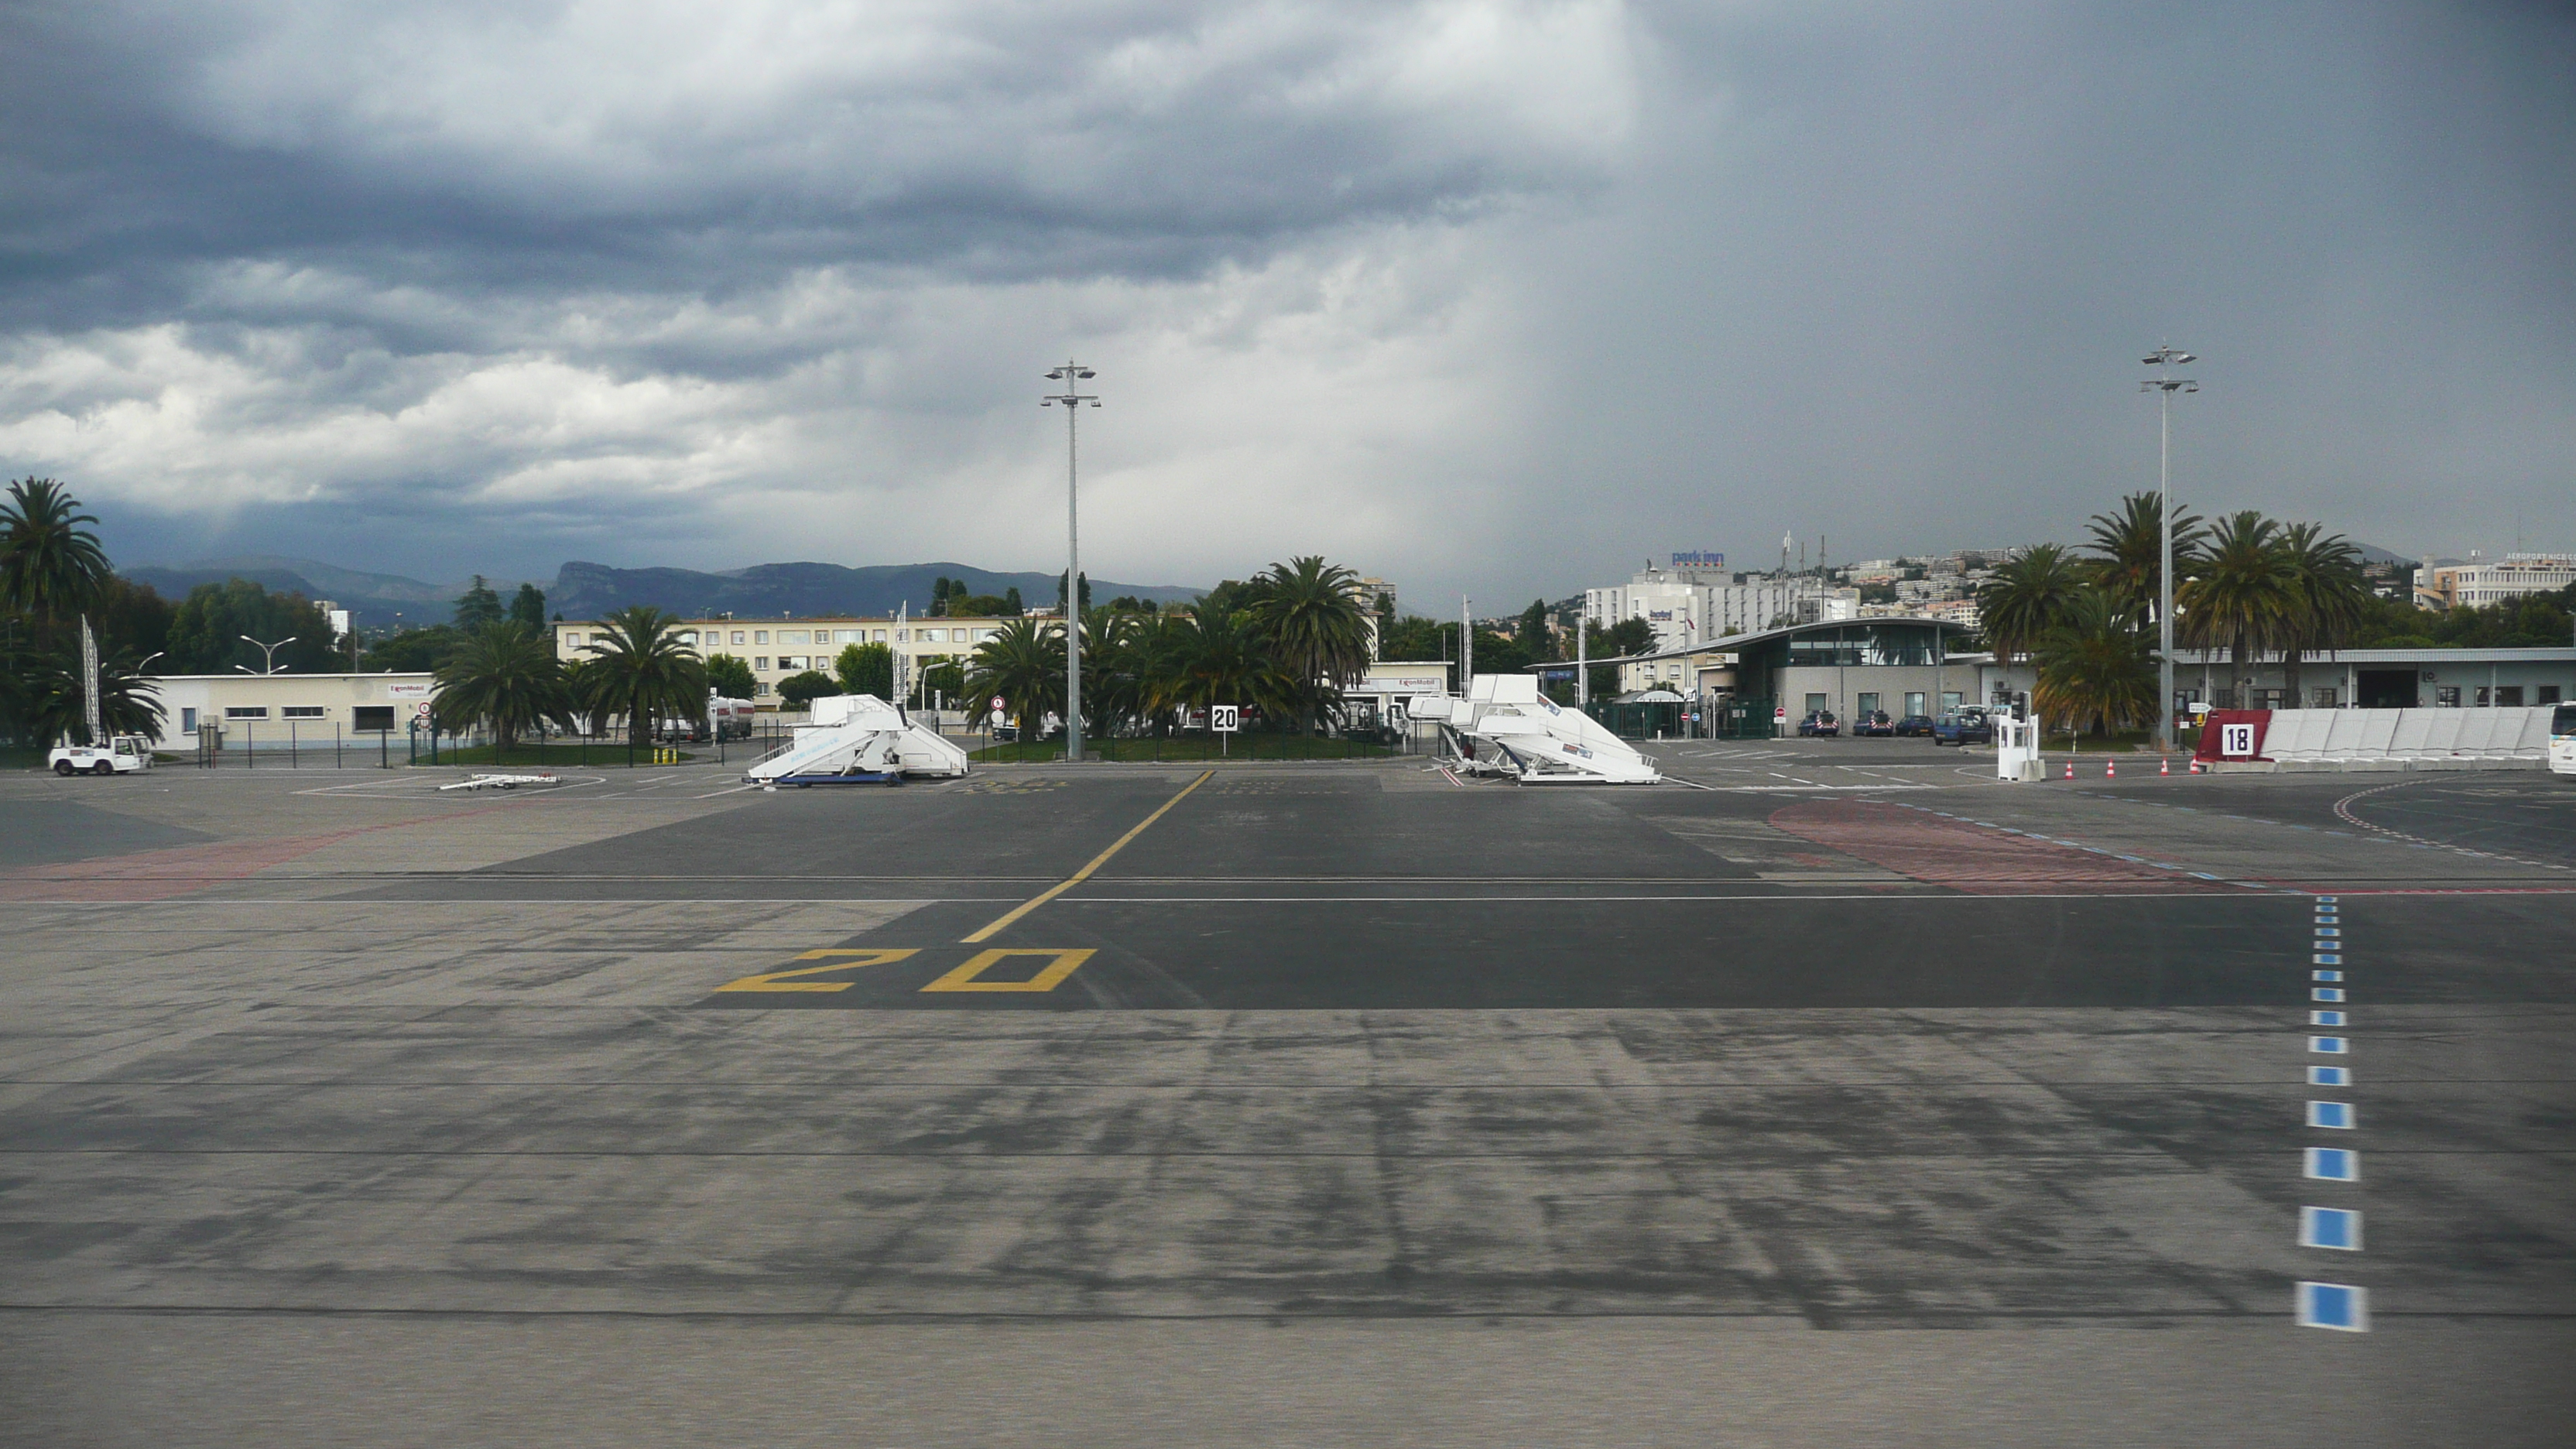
(122, 755)
(2562, 740)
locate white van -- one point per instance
(2562, 740)
(122, 755)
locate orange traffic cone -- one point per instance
(2164, 765)
(2110, 769)
(2070, 767)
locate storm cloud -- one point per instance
(1492, 297)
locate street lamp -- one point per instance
(2164, 385)
(269, 653)
(1072, 375)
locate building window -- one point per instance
(305, 711)
(759, 636)
(2549, 694)
(880, 636)
(2446, 696)
(760, 661)
(2509, 696)
(188, 720)
(1815, 703)
(688, 637)
(737, 636)
(791, 636)
(2226, 698)
(373, 718)
(2321, 699)
(1913, 703)
(245, 711)
(758, 689)
(1867, 706)
(2482, 696)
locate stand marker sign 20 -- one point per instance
(1224, 718)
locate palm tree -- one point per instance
(506, 677)
(2097, 667)
(645, 672)
(49, 564)
(2128, 549)
(2331, 596)
(1307, 612)
(2026, 598)
(1022, 664)
(1229, 663)
(2242, 594)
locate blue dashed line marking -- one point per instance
(2328, 958)
(2334, 1164)
(2334, 1305)
(2325, 976)
(2327, 932)
(2325, 1018)
(2325, 993)
(2335, 1115)
(2331, 1046)
(2329, 1076)
(2327, 900)
(2325, 1227)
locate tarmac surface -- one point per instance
(1834, 1093)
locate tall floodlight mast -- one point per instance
(1072, 375)
(2164, 385)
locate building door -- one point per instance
(2386, 688)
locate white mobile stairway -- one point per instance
(857, 739)
(1506, 727)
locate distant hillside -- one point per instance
(587, 590)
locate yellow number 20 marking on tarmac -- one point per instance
(839, 960)
(968, 977)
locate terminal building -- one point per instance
(1902, 666)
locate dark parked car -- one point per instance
(1965, 727)
(1822, 722)
(1875, 724)
(1915, 724)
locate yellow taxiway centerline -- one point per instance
(1084, 874)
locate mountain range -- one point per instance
(587, 590)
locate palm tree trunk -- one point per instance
(2290, 676)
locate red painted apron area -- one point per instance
(1970, 858)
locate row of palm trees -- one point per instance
(507, 679)
(1285, 644)
(2246, 584)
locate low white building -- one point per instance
(282, 711)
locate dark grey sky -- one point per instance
(1490, 297)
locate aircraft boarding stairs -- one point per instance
(858, 739)
(1506, 727)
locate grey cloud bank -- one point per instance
(1482, 297)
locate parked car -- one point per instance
(1915, 724)
(1874, 724)
(122, 755)
(1822, 722)
(1964, 727)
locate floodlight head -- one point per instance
(1086, 373)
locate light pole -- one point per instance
(267, 650)
(1072, 375)
(2164, 385)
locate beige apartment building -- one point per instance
(777, 648)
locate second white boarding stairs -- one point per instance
(858, 739)
(1504, 726)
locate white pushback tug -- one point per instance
(1504, 726)
(858, 739)
(121, 755)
